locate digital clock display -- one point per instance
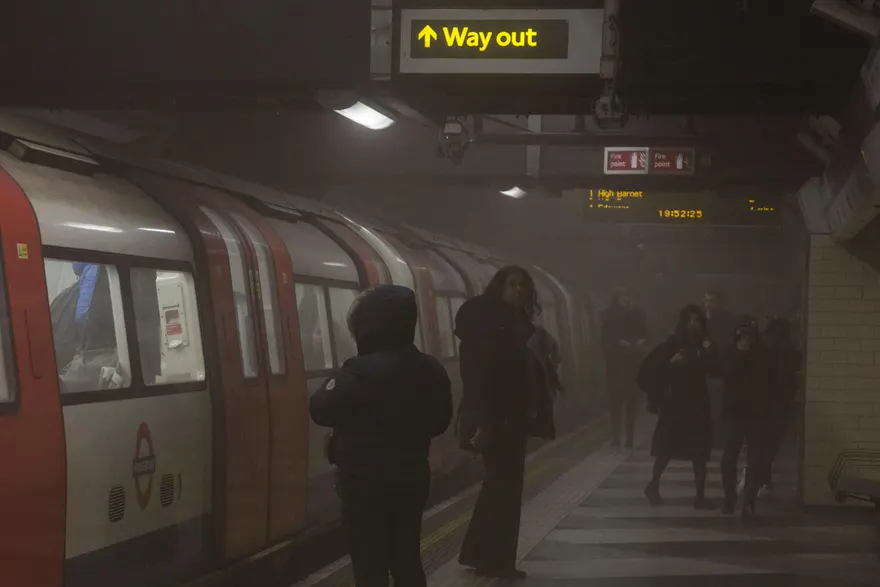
(641, 207)
(680, 214)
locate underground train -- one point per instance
(172, 440)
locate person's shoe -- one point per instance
(652, 491)
(701, 503)
(765, 491)
(729, 507)
(748, 510)
(511, 574)
(467, 562)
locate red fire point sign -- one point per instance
(672, 161)
(626, 160)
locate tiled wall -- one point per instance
(842, 398)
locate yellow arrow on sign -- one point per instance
(427, 34)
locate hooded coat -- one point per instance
(504, 386)
(387, 403)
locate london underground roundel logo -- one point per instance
(143, 466)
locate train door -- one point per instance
(32, 456)
(243, 270)
(241, 435)
(273, 294)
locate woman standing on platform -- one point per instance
(503, 403)
(674, 377)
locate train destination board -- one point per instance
(640, 207)
(493, 41)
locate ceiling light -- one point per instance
(366, 116)
(515, 192)
(334, 264)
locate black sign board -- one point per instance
(640, 207)
(489, 39)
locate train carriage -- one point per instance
(161, 330)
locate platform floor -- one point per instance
(586, 521)
(594, 526)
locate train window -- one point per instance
(268, 293)
(313, 329)
(238, 274)
(444, 321)
(88, 328)
(340, 303)
(167, 325)
(8, 385)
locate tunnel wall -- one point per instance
(842, 395)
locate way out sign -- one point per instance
(546, 42)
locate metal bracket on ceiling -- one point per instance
(381, 33)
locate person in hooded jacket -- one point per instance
(505, 400)
(674, 376)
(385, 405)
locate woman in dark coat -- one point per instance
(505, 399)
(674, 377)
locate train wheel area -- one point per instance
(586, 520)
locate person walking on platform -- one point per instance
(744, 413)
(674, 378)
(624, 336)
(503, 403)
(384, 405)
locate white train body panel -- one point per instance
(103, 448)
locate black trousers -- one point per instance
(735, 433)
(493, 535)
(622, 405)
(383, 521)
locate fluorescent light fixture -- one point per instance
(95, 227)
(162, 230)
(334, 264)
(366, 116)
(515, 192)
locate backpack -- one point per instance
(64, 331)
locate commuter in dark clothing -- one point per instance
(384, 405)
(674, 377)
(744, 414)
(785, 362)
(624, 335)
(503, 403)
